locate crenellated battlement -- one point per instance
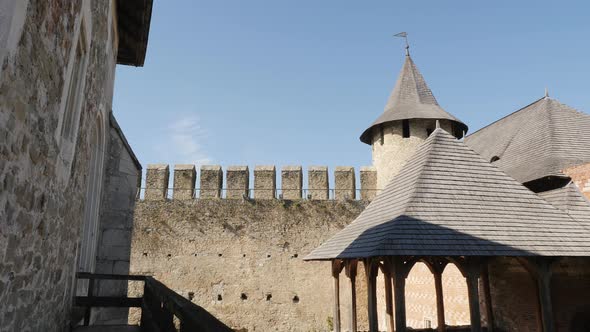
(211, 183)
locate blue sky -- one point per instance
(296, 82)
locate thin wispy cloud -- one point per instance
(184, 142)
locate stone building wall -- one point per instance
(122, 176)
(42, 202)
(243, 260)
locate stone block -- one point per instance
(184, 182)
(211, 181)
(344, 183)
(318, 187)
(156, 182)
(291, 182)
(368, 183)
(238, 182)
(265, 182)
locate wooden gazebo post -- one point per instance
(386, 269)
(350, 271)
(471, 270)
(400, 269)
(540, 269)
(336, 269)
(437, 266)
(371, 269)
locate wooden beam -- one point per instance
(336, 269)
(473, 294)
(440, 304)
(350, 270)
(540, 268)
(108, 301)
(485, 279)
(437, 265)
(371, 268)
(386, 269)
(400, 268)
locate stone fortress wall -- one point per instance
(237, 249)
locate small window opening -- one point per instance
(268, 297)
(295, 256)
(405, 128)
(427, 323)
(494, 159)
(381, 135)
(268, 256)
(191, 296)
(219, 297)
(219, 255)
(244, 255)
(243, 296)
(169, 255)
(145, 254)
(295, 299)
(429, 132)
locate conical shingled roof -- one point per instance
(411, 98)
(536, 141)
(448, 201)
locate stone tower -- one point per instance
(410, 116)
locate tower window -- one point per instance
(494, 159)
(381, 135)
(428, 132)
(405, 128)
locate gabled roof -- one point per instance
(536, 141)
(448, 201)
(411, 98)
(571, 200)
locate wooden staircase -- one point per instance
(159, 306)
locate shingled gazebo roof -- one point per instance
(449, 201)
(411, 98)
(536, 141)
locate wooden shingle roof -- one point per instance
(571, 200)
(411, 98)
(449, 201)
(536, 141)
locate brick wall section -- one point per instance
(581, 176)
(514, 295)
(570, 289)
(41, 217)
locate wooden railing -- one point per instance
(159, 305)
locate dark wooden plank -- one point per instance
(108, 301)
(91, 276)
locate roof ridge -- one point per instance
(505, 116)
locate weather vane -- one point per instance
(404, 35)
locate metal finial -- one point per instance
(546, 93)
(437, 124)
(404, 35)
